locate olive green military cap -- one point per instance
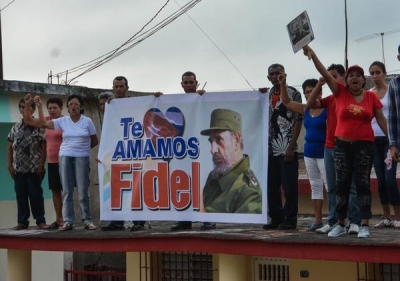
(224, 119)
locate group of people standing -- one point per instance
(346, 134)
(67, 149)
(361, 128)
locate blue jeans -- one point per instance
(28, 191)
(353, 159)
(387, 183)
(353, 209)
(75, 171)
(286, 174)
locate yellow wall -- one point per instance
(323, 270)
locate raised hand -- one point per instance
(321, 81)
(38, 101)
(282, 78)
(28, 98)
(308, 51)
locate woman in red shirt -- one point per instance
(354, 144)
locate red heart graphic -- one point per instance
(156, 124)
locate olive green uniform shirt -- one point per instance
(235, 191)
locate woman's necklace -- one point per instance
(359, 93)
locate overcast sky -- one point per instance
(53, 35)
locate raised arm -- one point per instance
(39, 122)
(312, 101)
(332, 83)
(286, 100)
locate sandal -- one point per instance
(55, 225)
(66, 226)
(89, 225)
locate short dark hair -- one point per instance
(119, 78)
(338, 67)
(22, 102)
(398, 49)
(310, 83)
(189, 73)
(55, 100)
(80, 99)
(276, 65)
(379, 64)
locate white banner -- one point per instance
(178, 157)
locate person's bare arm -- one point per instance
(93, 141)
(312, 101)
(332, 83)
(39, 122)
(286, 100)
(42, 160)
(381, 120)
(10, 159)
(289, 154)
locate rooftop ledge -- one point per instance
(240, 239)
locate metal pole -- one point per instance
(383, 48)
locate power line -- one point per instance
(2, 9)
(219, 49)
(130, 43)
(117, 49)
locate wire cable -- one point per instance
(2, 9)
(218, 48)
(139, 36)
(79, 67)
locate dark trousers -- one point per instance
(387, 183)
(353, 157)
(29, 192)
(285, 174)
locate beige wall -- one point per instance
(323, 270)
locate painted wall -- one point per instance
(322, 270)
(9, 115)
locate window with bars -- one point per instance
(186, 266)
(270, 269)
(378, 271)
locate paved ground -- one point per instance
(160, 229)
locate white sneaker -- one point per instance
(354, 229)
(337, 231)
(364, 232)
(384, 223)
(324, 230)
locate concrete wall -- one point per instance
(10, 94)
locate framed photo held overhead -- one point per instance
(300, 31)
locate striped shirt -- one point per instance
(394, 112)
